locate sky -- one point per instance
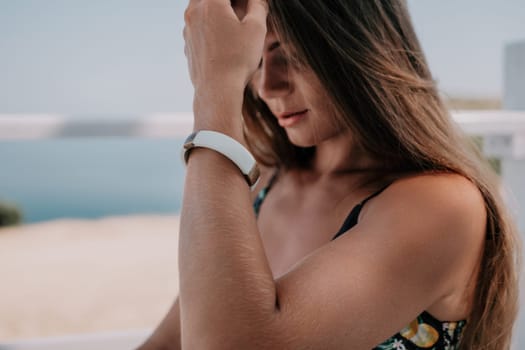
(126, 56)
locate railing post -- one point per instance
(514, 88)
(513, 167)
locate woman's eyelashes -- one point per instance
(272, 47)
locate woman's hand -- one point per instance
(224, 42)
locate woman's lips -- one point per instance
(289, 119)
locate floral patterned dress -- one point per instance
(425, 332)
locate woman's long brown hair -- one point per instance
(368, 58)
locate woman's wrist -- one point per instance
(219, 111)
(226, 89)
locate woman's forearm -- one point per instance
(167, 335)
(226, 285)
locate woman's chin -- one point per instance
(301, 140)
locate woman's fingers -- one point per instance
(239, 6)
(257, 10)
(224, 39)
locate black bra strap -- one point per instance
(353, 217)
(375, 194)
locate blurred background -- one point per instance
(120, 59)
(96, 214)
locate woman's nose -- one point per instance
(274, 80)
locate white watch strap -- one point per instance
(228, 147)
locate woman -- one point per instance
(376, 225)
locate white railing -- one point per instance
(45, 126)
(503, 133)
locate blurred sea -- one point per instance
(90, 178)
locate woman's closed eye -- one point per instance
(272, 47)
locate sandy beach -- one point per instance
(72, 277)
(86, 276)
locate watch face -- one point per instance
(188, 145)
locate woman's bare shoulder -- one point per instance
(435, 197)
(454, 190)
